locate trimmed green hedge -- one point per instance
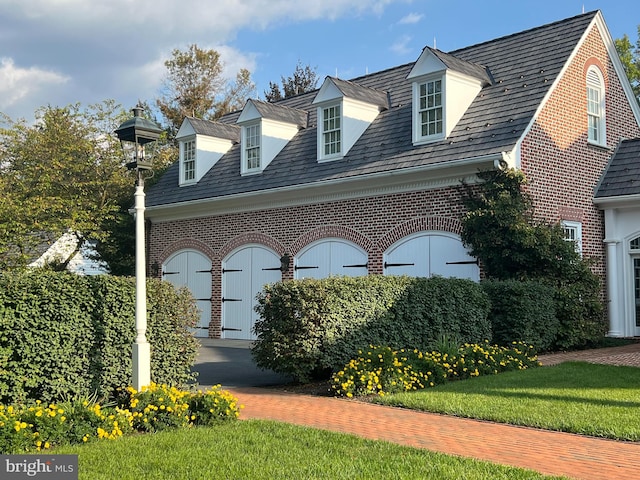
(310, 328)
(523, 311)
(64, 336)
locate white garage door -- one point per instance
(244, 273)
(428, 254)
(192, 269)
(331, 257)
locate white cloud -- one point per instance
(401, 46)
(18, 83)
(411, 19)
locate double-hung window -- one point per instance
(573, 233)
(595, 107)
(252, 147)
(189, 161)
(430, 108)
(331, 131)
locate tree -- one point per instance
(64, 173)
(195, 86)
(501, 231)
(630, 57)
(304, 79)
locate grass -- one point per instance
(256, 449)
(577, 397)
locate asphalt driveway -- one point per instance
(229, 363)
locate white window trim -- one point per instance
(595, 83)
(573, 233)
(183, 161)
(418, 137)
(322, 156)
(246, 147)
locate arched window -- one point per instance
(596, 106)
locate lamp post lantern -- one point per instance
(134, 134)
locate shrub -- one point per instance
(522, 311)
(157, 407)
(66, 336)
(382, 370)
(310, 328)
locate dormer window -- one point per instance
(430, 108)
(251, 147)
(267, 128)
(332, 131)
(345, 110)
(188, 160)
(444, 87)
(595, 107)
(202, 143)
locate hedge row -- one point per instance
(65, 336)
(310, 328)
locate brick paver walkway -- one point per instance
(551, 453)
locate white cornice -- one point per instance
(426, 177)
(622, 201)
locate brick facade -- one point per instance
(372, 223)
(562, 168)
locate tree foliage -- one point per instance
(501, 230)
(304, 79)
(64, 173)
(195, 86)
(630, 56)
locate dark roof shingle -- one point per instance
(523, 66)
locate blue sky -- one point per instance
(58, 52)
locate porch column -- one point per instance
(614, 290)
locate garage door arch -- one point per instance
(331, 256)
(192, 269)
(245, 271)
(425, 254)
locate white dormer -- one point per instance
(266, 129)
(345, 111)
(443, 88)
(202, 143)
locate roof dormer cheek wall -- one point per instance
(275, 136)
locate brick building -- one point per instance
(362, 176)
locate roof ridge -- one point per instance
(540, 27)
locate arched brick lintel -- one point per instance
(187, 244)
(421, 224)
(252, 238)
(331, 231)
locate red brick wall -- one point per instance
(373, 223)
(561, 167)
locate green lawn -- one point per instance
(252, 449)
(599, 400)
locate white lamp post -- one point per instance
(134, 134)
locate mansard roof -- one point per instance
(622, 175)
(524, 66)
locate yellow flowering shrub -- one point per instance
(39, 426)
(382, 370)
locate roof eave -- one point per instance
(431, 176)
